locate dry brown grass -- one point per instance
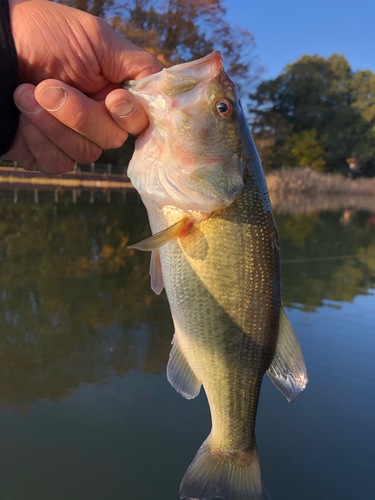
(305, 180)
(304, 190)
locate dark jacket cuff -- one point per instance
(8, 80)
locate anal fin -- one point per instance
(288, 371)
(180, 375)
(157, 282)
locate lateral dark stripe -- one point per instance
(8, 80)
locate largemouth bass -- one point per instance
(215, 250)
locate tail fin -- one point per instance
(232, 476)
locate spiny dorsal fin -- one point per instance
(180, 375)
(177, 230)
(288, 371)
(157, 282)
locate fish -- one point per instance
(215, 250)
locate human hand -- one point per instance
(83, 109)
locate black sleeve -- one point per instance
(8, 80)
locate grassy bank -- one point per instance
(304, 190)
(305, 180)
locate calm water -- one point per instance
(86, 412)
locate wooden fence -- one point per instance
(93, 177)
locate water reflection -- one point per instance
(326, 257)
(77, 314)
(75, 303)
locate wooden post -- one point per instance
(56, 196)
(91, 196)
(15, 165)
(36, 196)
(109, 168)
(108, 196)
(92, 167)
(15, 195)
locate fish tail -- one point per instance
(231, 476)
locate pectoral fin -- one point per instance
(157, 282)
(180, 375)
(178, 230)
(288, 371)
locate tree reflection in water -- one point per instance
(328, 257)
(76, 305)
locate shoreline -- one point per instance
(291, 190)
(303, 190)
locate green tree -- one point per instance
(318, 94)
(306, 149)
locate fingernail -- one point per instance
(28, 104)
(53, 98)
(123, 109)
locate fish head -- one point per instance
(192, 154)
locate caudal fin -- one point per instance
(232, 476)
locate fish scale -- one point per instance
(236, 333)
(215, 250)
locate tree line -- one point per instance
(318, 112)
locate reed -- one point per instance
(305, 180)
(303, 190)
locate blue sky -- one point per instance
(286, 29)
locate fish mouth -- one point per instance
(213, 61)
(190, 74)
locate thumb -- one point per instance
(119, 59)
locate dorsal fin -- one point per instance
(177, 230)
(288, 371)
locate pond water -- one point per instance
(86, 412)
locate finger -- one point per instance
(20, 152)
(120, 59)
(49, 158)
(80, 113)
(70, 142)
(126, 110)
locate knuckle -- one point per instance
(58, 163)
(115, 139)
(151, 62)
(80, 121)
(52, 159)
(88, 153)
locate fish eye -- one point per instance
(224, 108)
